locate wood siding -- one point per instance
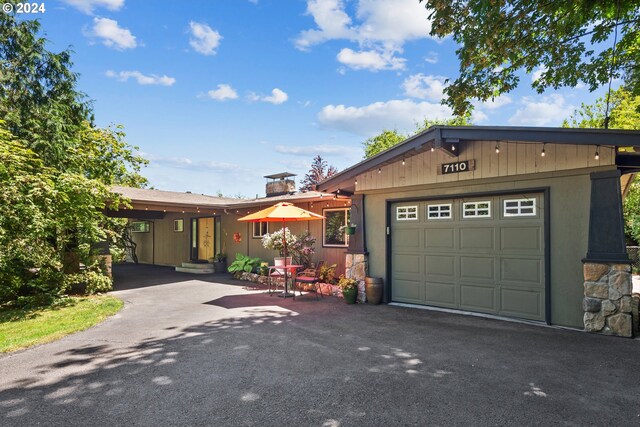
(163, 246)
(514, 159)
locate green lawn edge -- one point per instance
(21, 329)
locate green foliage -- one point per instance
(347, 284)
(56, 168)
(88, 282)
(244, 263)
(220, 257)
(389, 138)
(319, 171)
(624, 112)
(631, 210)
(327, 273)
(570, 41)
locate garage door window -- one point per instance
(520, 207)
(439, 211)
(406, 213)
(476, 209)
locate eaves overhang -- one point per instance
(447, 138)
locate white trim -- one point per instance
(473, 206)
(406, 213)
(253, 230)
(324, 228)
(440, 211)
(518, 207)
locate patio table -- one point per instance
(293, 268)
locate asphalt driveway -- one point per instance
(188, 350)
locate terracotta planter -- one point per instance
(350, 295)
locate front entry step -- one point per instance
(195, 268)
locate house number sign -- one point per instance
(457, 167)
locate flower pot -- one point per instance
(350, 230)
(220, 266)
(374, 289)
(350, 295)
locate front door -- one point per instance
(203, 239)
(206, 238)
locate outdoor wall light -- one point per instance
(402, 162)
(543, 152)
(497, 148)
(433, 148)
(597, 156)
(379, 170)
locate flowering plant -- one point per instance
(274, 240)
(302, 249)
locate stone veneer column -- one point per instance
(607, 299)
(356, 267)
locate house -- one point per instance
(508, 221)
(516, 222)
(179, 229)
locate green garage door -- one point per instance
(482, 254)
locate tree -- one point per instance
(569, 41)
(624, 113)
(388, 138)
(56, 168)
(319, 172)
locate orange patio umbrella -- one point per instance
(281, 212)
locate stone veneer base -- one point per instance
(356, 267)
(607, 302)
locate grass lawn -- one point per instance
(26, 328)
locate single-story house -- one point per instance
(510, 221)
(180, 229)
(516, 222)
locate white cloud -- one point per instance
(373, 118)
(431, 58)
(314, 150)
(142, 79)
(424, 87)
(187, 163)
(542, 111)
(112, 34)
(223, 92)
(277, 97)
(204, 39)
(88, 6)
(537, 73)
(370, 60)
(381, 29)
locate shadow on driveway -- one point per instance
(205, 353)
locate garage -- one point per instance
(483, 254)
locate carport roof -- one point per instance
(143, 196)
(437, 136)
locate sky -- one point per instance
(218, 93)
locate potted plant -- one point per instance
(349, 289)
(220, 263)
(275, 241)
(349, 229)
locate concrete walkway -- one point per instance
(190, 350)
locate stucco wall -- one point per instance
(569, 194)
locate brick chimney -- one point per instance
(280, 184)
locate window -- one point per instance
(439, 211)
(476, 209)
(520, 207)
(260, 229)
(140, 227)
(406, 213)
(178, 225)
(334, 222)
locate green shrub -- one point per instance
(244, 263)
(327, 273)
(88, 282)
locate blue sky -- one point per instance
(218, 94)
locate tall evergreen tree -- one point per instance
(319, 172)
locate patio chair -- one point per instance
(310, 276)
